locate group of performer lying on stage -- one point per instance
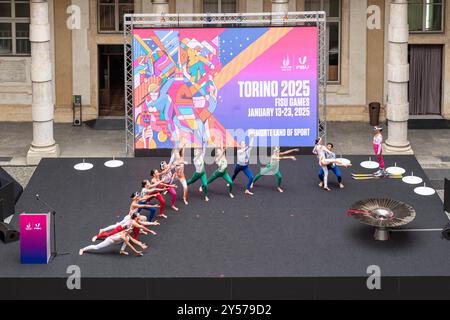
(163, 181)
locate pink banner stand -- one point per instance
(35, 238)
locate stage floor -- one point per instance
(302, 233)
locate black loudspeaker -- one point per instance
(446, 232)
(7, 234)
(7, 205)
(5, 178)
(447, 196)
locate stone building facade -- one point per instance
(369, 55)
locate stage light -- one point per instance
(425, 191)
(114, 163)
(396, 171)
(83, 166)
(370, 164)
(412, 179)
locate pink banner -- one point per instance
(35, 238)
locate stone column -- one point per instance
(280, 6)
(398, 78)
(43, 144)
(160, 6)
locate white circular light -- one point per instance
(84, 166)
(370, 165)
(396, 171)
(114, 164)
(412, 180)
(424, 191)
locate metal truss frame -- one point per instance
(309, 18)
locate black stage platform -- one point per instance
(301, 241)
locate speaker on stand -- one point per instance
(7, 209)
(5, 179)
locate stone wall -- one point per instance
(76, 64)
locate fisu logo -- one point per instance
(286, 64)
(302, 63)
(36, 227)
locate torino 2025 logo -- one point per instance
(295, 63)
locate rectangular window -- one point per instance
(426, 15)
(333, 11)
(111, 14)
(15, 27)
(220, 6)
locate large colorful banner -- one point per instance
(197, 85)
(34, 238)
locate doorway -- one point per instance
(425, 86)
(111, 81)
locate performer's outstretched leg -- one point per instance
(200, 176)
(194, 179)
(321, 177)
(94, 248)
(214, 176)
(173, 197)
(248, 172)
(280, 181)
(204, 180)
(338, 174)
(185, 190)
(151, 211)
(325, 178)
(227, 178)
(237, 170)
(162, 205)
(107, 234)
(263, 172)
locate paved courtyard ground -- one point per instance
(431, 147)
